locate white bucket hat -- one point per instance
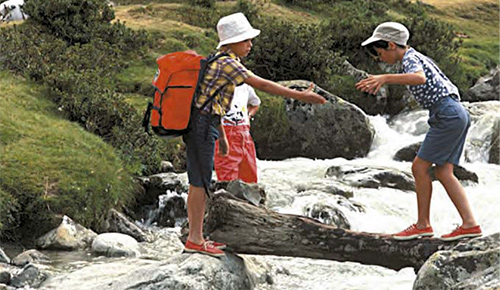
(389, 31)
(235, 28)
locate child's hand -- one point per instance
(311, 97)
(372, 84)
(223, 147)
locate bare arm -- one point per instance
(271, 87)
(252, 110)
(223, 143)
(373, 83)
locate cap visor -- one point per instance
(370, 40)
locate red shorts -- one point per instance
(241, 161)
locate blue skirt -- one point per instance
(444, 142)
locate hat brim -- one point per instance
(247, 35)
(370, 40)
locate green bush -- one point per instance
(202, 3)
(8, 208)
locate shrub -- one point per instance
(203, 3)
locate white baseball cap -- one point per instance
(235, 28)
(389, 31)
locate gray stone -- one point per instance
(494, 154)
(469, 265)
(119, 223)
(68, 236)
(30, 276)
(329, 215)
(486, 88)
(3, 257)
(5, 277)
(115, 245)
(335, 129)
(30, 256)
(250, 192)
(166, 166)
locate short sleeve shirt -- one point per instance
(226, 72)
(244, 95)
(437, 85)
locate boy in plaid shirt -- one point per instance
(222, 76)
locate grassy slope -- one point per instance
(476, 22)
(50, 165)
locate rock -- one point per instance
(159, 184)
(119, 223)
(370, 104)
(3, 257)
(469, 265)
(115, 245)
(68, 236)
(329, 215)
(250, 192)
(494, 154)
(30, 277)
(335, 129)
(30, 256)
(328, 186)
(486, 88)
(372, 177)
(5, 277)
(410, 152)
(173, 208)
(166, 166)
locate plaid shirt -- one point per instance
(226, 71)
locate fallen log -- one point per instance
(248, 229)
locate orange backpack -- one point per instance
(177, 84)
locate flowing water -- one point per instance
(386, 210)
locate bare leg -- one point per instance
(456, 193)
(423, 187)
(196, 212)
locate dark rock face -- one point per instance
(336, 129)
(487, 88)
(494, 156)
(329, 215)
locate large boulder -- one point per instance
(487, 88)
(469, 265)
(494, 156)
(336, 129)
(115, 245)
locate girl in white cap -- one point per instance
(448, 120)
(222, 76)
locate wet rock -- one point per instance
(494, 154)
(5, 277)
(469, 265)
(115, 245)
(30, 276)
(159, 184)
(410, 152)
(487, 88)
(68, 236)
(372, 177)
(329, 215)
(328, 186)
(30, 256)
(119, 223)
(174, 208)
(250, 192)
(3, 257)
(166, 166)
(335, 129)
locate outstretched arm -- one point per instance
(271, 87)
(373, 83)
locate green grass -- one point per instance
(51, 166)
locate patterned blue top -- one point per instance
(437, 85)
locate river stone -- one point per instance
(469, 265)
(250, 192)
(329, 215)
(30, 256)
(5, 277)
(335, 129)
(372, 176)
(487, 88)
(29, 277)
(3, 257)
(119, 223)
(494, 156)
(68, 236)
(115, 245)
(174, 209)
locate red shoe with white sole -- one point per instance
(460, 233)
(412, 232)
(206, 248)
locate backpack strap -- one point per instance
(204, 65)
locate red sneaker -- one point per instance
(220, 246)
(412, 233)
(206, 248)
(460, 233)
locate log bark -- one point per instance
(248, 229)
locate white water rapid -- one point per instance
(387, 210)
